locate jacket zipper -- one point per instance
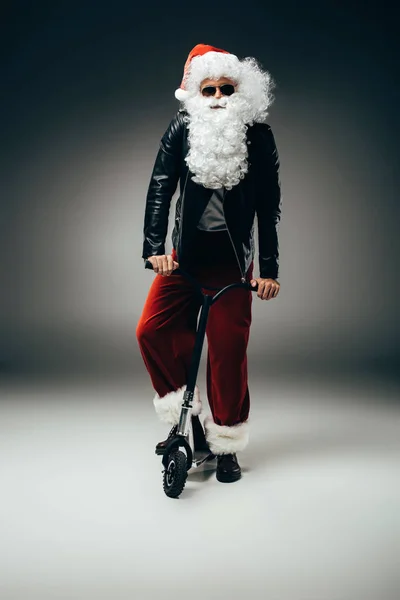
(243, 278)
(180, 219)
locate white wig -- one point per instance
(253, 83)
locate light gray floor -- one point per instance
(83, 514)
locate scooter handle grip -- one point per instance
(148, 265)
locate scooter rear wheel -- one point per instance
(175, 475)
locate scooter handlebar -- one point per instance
(246, 285)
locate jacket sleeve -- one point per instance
(163, 183)
(268, 206)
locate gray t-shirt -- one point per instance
(213, 218)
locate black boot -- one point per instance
(228, 468)
(160, 448)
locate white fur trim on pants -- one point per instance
(168, 408)
(224, 439)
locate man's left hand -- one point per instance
(267, 288)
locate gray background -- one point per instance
(87, 92)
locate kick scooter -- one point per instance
(190, 434)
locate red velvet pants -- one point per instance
(167, 327)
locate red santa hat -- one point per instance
(210, 62)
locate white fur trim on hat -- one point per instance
(224, 439)
(212, 65)
(181, 94)
(168, 408)
(209, 65)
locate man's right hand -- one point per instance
(164, 264)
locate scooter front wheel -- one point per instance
(175, 474)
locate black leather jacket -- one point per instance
(257, 194)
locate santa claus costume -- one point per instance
(218, 160)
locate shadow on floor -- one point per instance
(309, 445)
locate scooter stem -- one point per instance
(184, 421)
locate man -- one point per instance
(223, 154)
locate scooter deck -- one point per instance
(200, 457)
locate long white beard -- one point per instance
(217, 140)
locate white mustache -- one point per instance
(217, 101)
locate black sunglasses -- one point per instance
(227, 89)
